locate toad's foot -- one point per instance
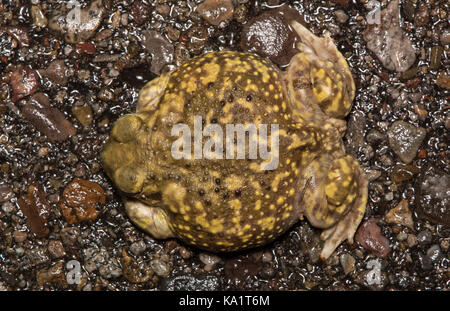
(152, 220)
(334, 199)
(319, 78)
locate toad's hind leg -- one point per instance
(152, 220)
(334, 198)
(319, 78)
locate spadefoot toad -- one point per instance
(216, 199)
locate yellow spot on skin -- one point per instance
(211, 71)
(281, 200)
(258, 205)
(234, 182)
(235, 204)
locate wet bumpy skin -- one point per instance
(233, 204)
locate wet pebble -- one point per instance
(161, 50)
(160, 267)
(79, 200)
(433, 197)
(76, 30)
(101, 260)
(341, 16)
(210, 260)
(6, 193)
(269, 35)
(38, 17)
(445, 36)
(443, 80)
(140, 12)
(36, 208)
(137, 248)
(422, 16)
(24, 81)
(19, 33)
(57, 72)
(405, 139)
(69, 235)
(83, 114)
(424, 236)
(56, 249)
(132, 271)
(370, 237)
(48, 120)
(53, 275)
(401, 215)
(347, 262)
(389, 42)
(216, 11)
(19, 236)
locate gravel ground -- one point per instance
(63, 84)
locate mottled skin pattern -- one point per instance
(228, 205)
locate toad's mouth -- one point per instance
(209, 142)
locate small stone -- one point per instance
(341, 16)
(83, 114)
(140, 12)
(436, 55)
(48, 120)
(192, 283)
(445, 36)
(85, 48)
(160, 267)
(424, 236)
(78, 25)
(411, 240)
(348, 263)
(173, 33)
(185, 253)
(216, 11)
(433, 195)
(443, 80)
(69, 235)
(161, 50)
(370, 237)
(54, 275)
(132, 271)
(35, 207)
(6, 193)
(388, 41)
(79, 200)
(422, 16)
(24, 81)
(38, 17)
(19, 236)
(270, 35)
(19, 33)
(405, 139)
(267, 257)
(56, 249)
(240, 13)
(401, 215)
(209, 260)
(138, 248)
(434, 253)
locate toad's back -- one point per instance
(226, 204)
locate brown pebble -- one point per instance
(19, 236)
(24, 81)
(56, 249)
(79, 200)
(35, 207)
(216, 11)
(48, 120)
(401, 215)
(370, 237)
